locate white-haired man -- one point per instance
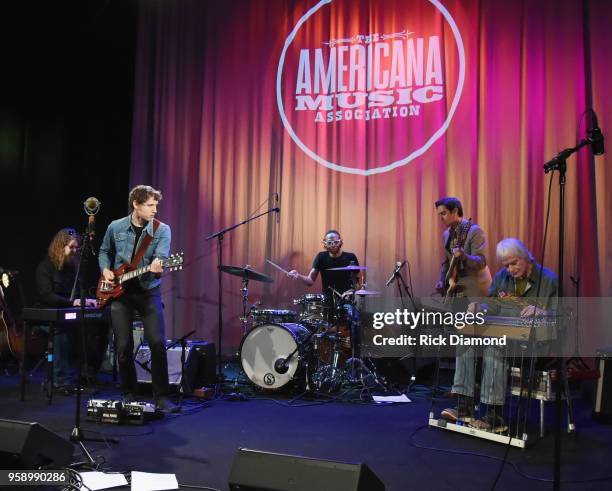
(522, 287)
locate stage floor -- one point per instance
(198, 445)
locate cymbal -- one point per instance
(248, 273)
(350, 267)
(365, 293)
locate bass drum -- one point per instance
(266, 344)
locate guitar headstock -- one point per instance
(465, 228)
(174, 261)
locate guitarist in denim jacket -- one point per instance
(142, 294)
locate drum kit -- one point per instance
(314, 349)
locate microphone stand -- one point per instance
(410, 364)
(402, 287)
(559, 162)
(284, 364)
(219, 236)
(76, 434)
(183, 342)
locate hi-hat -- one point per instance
(247, 273)
(350, 267)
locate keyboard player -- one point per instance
(522, 287)
(55, 276)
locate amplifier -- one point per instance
(602, 408)
(200, 365)
(542, 385)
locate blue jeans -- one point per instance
(494, 374)
(64, 369)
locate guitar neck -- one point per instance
(134, 273)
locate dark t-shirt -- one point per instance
(138, 232)
(339, 280)
(133, 286)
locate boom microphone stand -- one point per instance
(596, 140)
(219, 236)
(409, 361)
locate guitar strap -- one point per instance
(144, 244)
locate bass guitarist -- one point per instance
(122, 245)
(464, 244)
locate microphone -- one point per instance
(91, 206)
(596, 137)
(281, 366)
(398, 266)
(277, 208)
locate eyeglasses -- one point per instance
(331, 243)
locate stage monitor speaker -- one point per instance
(200, 365)
(602, 410)
(254, 470)
(25, 445)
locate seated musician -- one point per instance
(337, 285)
(521, 288)
(331, 257)
(55, 277)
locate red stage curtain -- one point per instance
(207, 131)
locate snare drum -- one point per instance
(273, 316)
(314, 307)
(267, 345)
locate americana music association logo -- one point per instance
(362, 84)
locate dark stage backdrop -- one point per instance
(66, 103)
(379, 108)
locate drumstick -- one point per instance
(277, 266)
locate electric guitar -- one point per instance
(451, 280)
(111, 290)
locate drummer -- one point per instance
(331, 257)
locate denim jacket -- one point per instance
(118, 244)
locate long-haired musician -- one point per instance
(55, 277)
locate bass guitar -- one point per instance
(111, 290)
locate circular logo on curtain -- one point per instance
(366, 86)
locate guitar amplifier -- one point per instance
(602, 409)
(200, 365)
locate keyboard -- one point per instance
(64, 315)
